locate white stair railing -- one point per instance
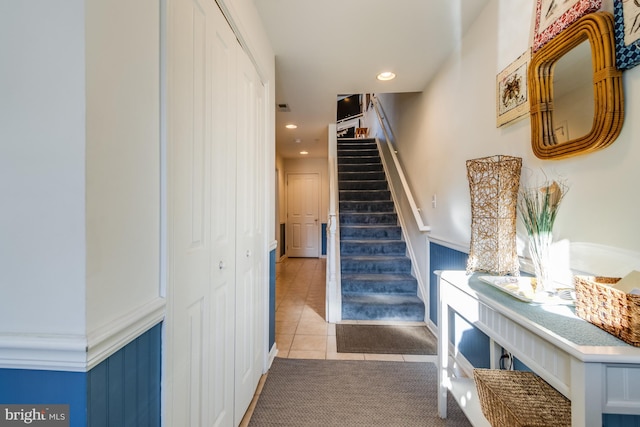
(390, 138)
(334, 295)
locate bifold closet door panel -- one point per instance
(199, 373)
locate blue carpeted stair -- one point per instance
(376, 273)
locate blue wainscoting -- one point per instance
(26, 387)
(324, 238)
(272, 299)
(470, 341)
(442, 258)
(124, 390)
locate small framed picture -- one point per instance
(553, 16)
(561, 131)
(512, 95)
(627, 33)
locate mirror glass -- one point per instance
(573, 94)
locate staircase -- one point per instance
(376, 273)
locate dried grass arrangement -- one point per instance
(494, 183)
(538, 208)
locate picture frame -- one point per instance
(561, 131)
(553, 16)
(512, 94)
(626, 15)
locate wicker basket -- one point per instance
(520, 399)
(608, 308)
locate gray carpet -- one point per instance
(304, 393)
(385, 339)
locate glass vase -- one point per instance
(540, 250)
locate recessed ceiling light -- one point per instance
(304, 152)
(386, 75)
(291, 126)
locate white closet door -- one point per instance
(200, 320)
(250, 265)
(223, 158)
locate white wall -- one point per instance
(453, 120)
(123, 158)
(42, 171)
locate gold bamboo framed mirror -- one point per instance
(608, 104)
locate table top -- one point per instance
(558, 322)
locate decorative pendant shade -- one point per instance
(494, 183)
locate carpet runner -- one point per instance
(328, 393)
(377, 283)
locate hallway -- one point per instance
(301, 329)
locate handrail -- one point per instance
(390, 137)
(334, 294)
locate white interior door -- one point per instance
(250, 266)
(223, 101)
(303, 208)
(189, 241)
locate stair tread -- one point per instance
(377, 277)
(374, 257)
(375, 241)
(369, 226)
(381, 299)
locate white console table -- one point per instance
(599, 373)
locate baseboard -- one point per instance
(272, 355)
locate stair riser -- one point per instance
(385, 288)
(366, 233)
(356, 153)
(364, 195)
(398, 266)
(362, 185)
(361, 176)
(357, 146)
(372, 248)
(368, 218)
(357, 160)
(363, 167)
(364, 206)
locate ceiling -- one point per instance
(330, 47)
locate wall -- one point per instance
(453, 120)
(281, 205)
(42, 138)
(122, 161)
(80, 220)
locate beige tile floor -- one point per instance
(301, 328)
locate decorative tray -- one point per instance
(520, 288)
